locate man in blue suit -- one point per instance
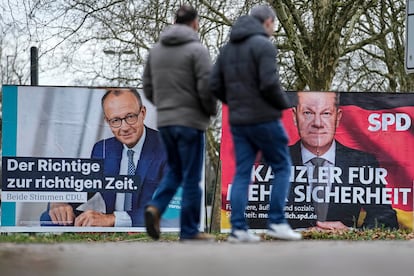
(132, 142)
(317, 116)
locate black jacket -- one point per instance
(245, 75)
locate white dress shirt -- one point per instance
(122, 218)
(329, 156)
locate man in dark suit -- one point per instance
(323, 194)
(135, 149)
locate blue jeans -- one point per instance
(185, 152)
(272, 140)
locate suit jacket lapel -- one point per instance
(113, 155)
(146, 158)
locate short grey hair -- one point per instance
(263, 12)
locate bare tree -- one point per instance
(391, 17)
(323, 44)
(106, 42)
(14, 68)
(318, 34)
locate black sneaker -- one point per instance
(152, 222)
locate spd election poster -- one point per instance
(366, 141)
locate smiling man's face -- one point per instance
(120, 107)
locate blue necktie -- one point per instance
(131, 171)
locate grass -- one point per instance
(360, 235)
(353, 235)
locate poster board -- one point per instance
(379, 125)
(47, 138)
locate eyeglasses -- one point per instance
(130, 119)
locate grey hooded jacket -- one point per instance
(176, 79)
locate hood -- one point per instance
(245, 27)
(178, 34)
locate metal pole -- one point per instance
(7, 69)
(34, 66)
(119, 68)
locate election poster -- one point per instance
(65, 165)
(364, 179)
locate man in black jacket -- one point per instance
(245, 77)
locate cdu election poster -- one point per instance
(65, 165)
(351, 163)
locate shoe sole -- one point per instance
(236, 240)
(274, 236)
(150, 225)
(197, 240)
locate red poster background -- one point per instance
(393, 149)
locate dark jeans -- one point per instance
(185, 148)
(272, 140)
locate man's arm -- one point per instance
(202, 69)
(216, 83)
(270, 86)
(147, 81)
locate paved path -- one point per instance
(308, 258)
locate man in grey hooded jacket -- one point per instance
(176, 81)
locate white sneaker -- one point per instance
(283, 231)
(240, 236)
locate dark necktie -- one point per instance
(131, 171)
(321, 208)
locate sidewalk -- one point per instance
(337, 258)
